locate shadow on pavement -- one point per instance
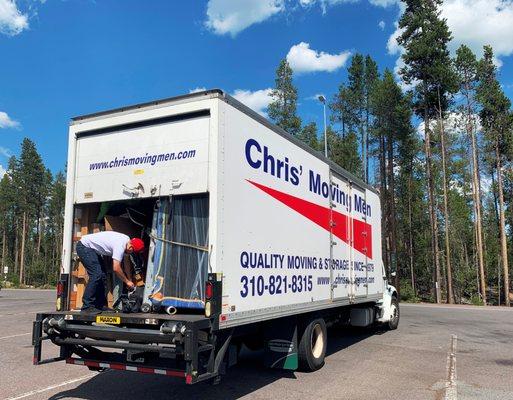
(246, 377)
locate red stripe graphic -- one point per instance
(343, 224)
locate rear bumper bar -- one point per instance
(191, 353)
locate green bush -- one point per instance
(407, 293)
(476, 300)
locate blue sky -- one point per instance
(59, 59)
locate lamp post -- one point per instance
(322, 99)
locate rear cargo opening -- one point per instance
(170, 275)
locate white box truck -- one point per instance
(254, 238)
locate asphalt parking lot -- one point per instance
(421, 360)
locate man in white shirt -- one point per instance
(91, 248)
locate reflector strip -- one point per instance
(123, 367)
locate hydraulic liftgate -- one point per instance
(189, 346)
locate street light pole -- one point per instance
(322, 99)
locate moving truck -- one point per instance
(253, 239)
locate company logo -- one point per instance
(356, 233)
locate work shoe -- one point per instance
(107, 309)
(90, 310)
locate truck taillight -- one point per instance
(209, 290)
(213, 296)
(60, 288)
(62, 293)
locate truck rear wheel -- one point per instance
(312, 346)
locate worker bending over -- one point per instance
(90, 249)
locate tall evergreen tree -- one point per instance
(30, 180)
(343, 150)
(425, 37)
(308, 135)
(466, 68)
(392, 124)
(282, 109)
(343, 110)
(496, 120)
(371, 78)
(356, 85)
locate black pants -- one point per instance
(94, 293)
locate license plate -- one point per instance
(105, 319)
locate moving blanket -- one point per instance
(180, 256)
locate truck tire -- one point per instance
(394, 320)
(312, 346)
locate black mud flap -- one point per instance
(281, 344)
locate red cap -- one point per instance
(137, 245)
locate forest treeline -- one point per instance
(31, 219)
(438, 147)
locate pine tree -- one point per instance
(356, 85)
(371, 78)
(466, 68)
(6, 210)
(56, 222)
(282, 109)
(30, 181)
(392, 116)
(496, 120)
(343, 110)
(308, 135)
(343, 150)
(425, 37)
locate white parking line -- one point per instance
(21, 313)
(451, 392)
(11, 336)
(33, 392)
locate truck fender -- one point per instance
(385, 305)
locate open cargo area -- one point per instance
(175, 232)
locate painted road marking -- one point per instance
(451, 392)
(37, 391)
(12, 336)
(22, 313)
(25, 303)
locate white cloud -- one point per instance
(6, 121)
(197, 89)
(257, 100)
(475, 23)
(12, 20)
(4, 151)
(455, 124)
(383, 3)
(2, 171)
(233, 16)
(324, 3)
(480, 22)
(392, 45)
(229, 16)
(303, 59)
(382, 24)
